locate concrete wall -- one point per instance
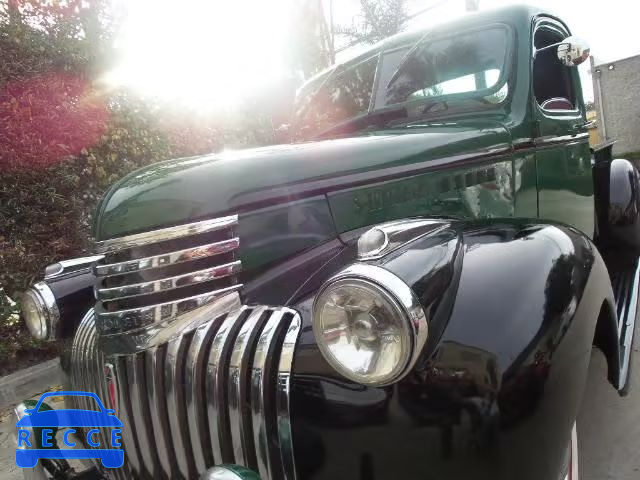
(617, 97)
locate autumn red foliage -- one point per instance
(47, 118)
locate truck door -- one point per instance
(563, 159)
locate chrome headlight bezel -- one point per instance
(411, 317)
(45, 327)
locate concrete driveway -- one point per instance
(609, 425)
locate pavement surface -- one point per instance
(608, 427)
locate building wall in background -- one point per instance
(616, 87)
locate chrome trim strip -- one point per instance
(239, 417)
(165, 259)
(283, 393)
(47, 300)
(575, 474)
(169, 283)
(260, 389)
(174, 385)
(194, 391)
(216, 401)
(164, 234)
(160, 333)
(155, 393)
(553, 140)
(393, 235)
(70, 267)
(112, 322)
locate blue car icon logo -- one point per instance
(37, 433)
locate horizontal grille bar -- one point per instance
(217, 394)
(155, 236)
(165, 259)
(169, 283)
(131, 319)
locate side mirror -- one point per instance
(573, 51)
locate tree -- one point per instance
(378, 19)
(312, 44)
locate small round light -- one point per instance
(372, 242)
(362, 331)
(34, 315)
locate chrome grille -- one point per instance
(216, 394)
(149, 278)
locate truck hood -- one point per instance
(191, 189)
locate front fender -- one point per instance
(498, 386)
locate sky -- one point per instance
(208, 54)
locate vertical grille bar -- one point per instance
(82, 374)
(195, 394)
(216, 386)
(158, 410)
(174, 389)
(140, 413)
(282, 399)
(130, 440)
(93, 361)
(239, 414)
(262, 388)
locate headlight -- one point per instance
(369, 325)
(40, 311)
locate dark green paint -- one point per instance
(525, 186)
(293, 197)
(485, 191)
(183, 190)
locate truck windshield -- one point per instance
(467, 63)
(335, 97)
(455, 68)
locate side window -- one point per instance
(552, 83)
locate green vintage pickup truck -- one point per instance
(410, 289)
